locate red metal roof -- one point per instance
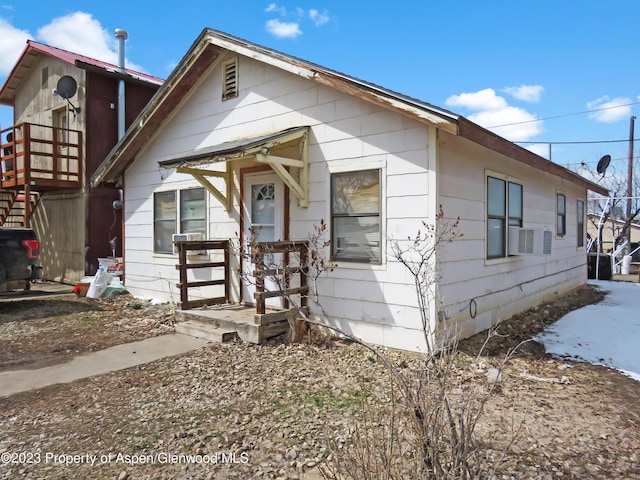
(34, 49)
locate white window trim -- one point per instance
(566, 215)
(356, 165)
(584, 224)
(508, 258)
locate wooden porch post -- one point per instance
(227, 269)
(184, 292)
(26, 152)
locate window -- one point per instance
(192, 211)
(191, 216)
(230, 80)
(580, 232)
(561, 215)
(504, 209)
(355, 216)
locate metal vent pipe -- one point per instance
(121, 35)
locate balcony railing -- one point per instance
(40, 156)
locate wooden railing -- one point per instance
(41, 157)
(281, 271)
(292, 257)
(184, 249)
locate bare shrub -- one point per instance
(426, 428)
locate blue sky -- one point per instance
(552, 71)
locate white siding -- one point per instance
(496, 289)
(375, 302)
(345, 133)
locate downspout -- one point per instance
(121, 35)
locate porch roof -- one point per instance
(293, 171)
(235, 149)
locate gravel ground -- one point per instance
(271, 411)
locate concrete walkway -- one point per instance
(97, 363)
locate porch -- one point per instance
(216, 318)
(35, 159)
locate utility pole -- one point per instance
(630, 185)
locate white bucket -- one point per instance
(99, 284)
(626, 264)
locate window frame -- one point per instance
(179, 219)
(580, 222)
(505, 216)
(561, 217)
(335, 215)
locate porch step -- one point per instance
(207, 330)
(236, 318)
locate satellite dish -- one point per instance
(67, 87)
(603, 164)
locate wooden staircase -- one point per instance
(16, 207)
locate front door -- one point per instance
(263, 222)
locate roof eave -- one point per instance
(211, 41)
(5, 98)
(477, 134)
(207, 47)
(7, 92)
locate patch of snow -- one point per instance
(606, 333)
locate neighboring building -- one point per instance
(611, 229)
(245, 139)
(53, 148)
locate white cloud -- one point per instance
(12, 43)
(317, 17)
(541, 149)
(481, 100)
(526, 93)
(610, 110)
(80, 33)
(494, 113)
(509, 122)
(77, 32)
(272, 7)
(292, 29)
(283, 29)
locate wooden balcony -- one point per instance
(40, 158)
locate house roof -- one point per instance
(34, 50)
(212, 43)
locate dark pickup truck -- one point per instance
(19, 249)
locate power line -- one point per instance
(565, 115)
(588, 162)
(577, 142)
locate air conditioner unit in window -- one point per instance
(188, 237)
(529, 241)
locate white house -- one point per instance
(241, 139)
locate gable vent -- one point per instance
(230, 80)
(44, 77)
